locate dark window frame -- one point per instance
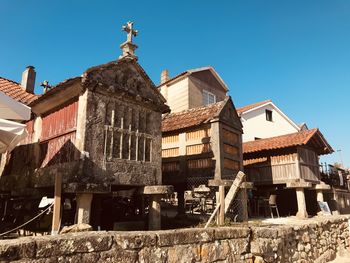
(268, 114)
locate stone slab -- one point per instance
(157, 189)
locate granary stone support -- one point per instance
(320, 188)
(155, 192)
(83, 208)
(300, 186)
(154, 220)
(302, 212)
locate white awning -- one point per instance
(11, 133)
(11, 109)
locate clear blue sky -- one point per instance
(296, 53)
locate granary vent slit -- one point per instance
(127, 134)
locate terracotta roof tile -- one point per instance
(16, 92)
(311, 137)
(191, 117)
(251, 106)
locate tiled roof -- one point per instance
(313, 138)
(16, 92)
(251, 106)
(54, 90)
(191, 117)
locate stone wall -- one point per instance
(317, 241)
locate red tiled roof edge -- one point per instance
(55, 89)
(284, 141)
(14, 90)
(251, 106)
(191, 117)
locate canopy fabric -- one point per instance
(11, 109)
(11, 133)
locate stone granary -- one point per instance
(100, 134)
(202, 137)
(288, 166)
(201, 145)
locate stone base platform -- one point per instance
(316, 240)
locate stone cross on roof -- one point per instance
(128, 27)
(128, 47)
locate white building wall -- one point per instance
(177, 95)
(255, 124)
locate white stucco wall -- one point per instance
(177, 95)
(256, 125)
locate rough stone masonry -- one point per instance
(315, 241)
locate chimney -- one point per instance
(28, 79)
(164, 76)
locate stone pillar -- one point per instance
(320, 188)
(319, 195)
(180, 201)
(83, 208)
(155, 192)
(300, 185)
(56, 217)
(302, 213)
(154, 220)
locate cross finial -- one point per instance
(128, 47)
(128, 27)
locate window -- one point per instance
(208, 97)
(257, 138)
(268, 115)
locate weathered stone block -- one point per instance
(239, 245)
(149, 255)
(12, 250)
(217, 251)
(184, 236)
(135, 240)
(230, 232)
(117, 255)
(184, 254)
(265, 232)
(73, 243)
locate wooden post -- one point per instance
(217, 198)
(222, 205)
(56, 217)
(244, 203)
(229, 198)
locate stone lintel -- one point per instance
(86, 188)
(322, 186)
(299, 184)
(218, 182)
(156, 189)
(247, 185)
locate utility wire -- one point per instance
(26, 223)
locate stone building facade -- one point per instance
(100, 135)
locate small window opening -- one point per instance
(208, 97)
(268, 115)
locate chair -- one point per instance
(273, 204)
